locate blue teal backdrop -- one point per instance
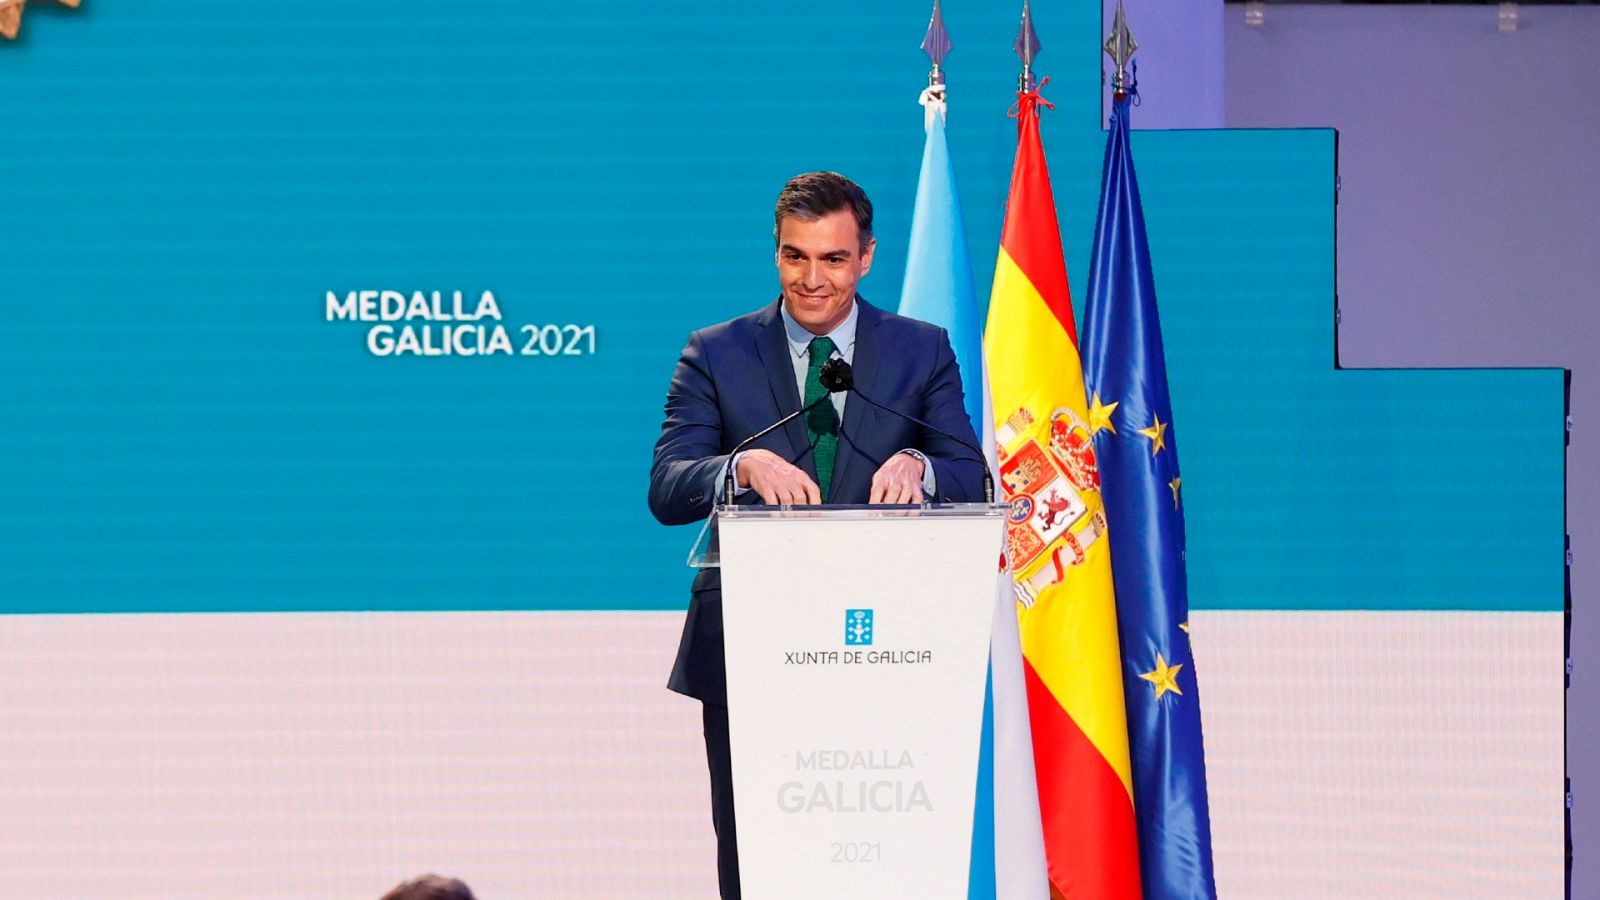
(180, 428)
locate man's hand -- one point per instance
(778, 481)
(898, 481)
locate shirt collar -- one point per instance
(800, 339)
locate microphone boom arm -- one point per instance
(842, 378)
(730, 482)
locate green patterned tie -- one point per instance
(822, 423)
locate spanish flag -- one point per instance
(1057, 546)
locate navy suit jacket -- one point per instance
(736, 378)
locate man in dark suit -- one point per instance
(736, 378)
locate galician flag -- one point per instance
(1057, 547)
(1008, 848)
(1131, 418)
(938, 285)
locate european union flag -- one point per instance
(1131, 417)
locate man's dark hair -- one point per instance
(431, 887)
(816, 194)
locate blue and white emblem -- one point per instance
(857, 627)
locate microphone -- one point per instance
(843, 378)
(837, 378)
(830, 375)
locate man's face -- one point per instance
(819, 263)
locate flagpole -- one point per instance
(1057, 552)
(1136, 448)
(936, 43)
(1026, 47)
(1120, 46)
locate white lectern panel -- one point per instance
(857, 650)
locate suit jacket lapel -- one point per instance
(773, 347)
(856, 410)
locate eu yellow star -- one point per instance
(1157, 433)
(1183, 627)
(1165, 677)
(1100, 416)
(1175, 483)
